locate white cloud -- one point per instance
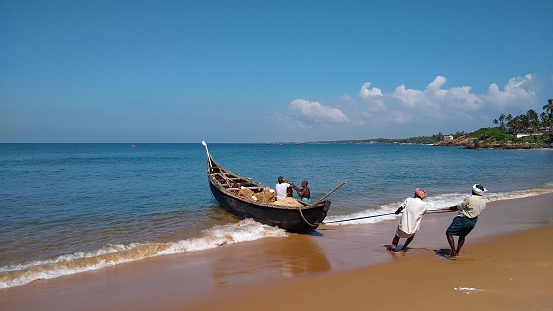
(459, 98)
(408, 97)
(435, 98)
(437, 84)
(518, 90)
(372, 98)
(434, 108)
(365, 92)
(317, 111)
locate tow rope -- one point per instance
(371, 216)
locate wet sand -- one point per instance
(506, 263)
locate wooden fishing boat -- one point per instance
(225, 186)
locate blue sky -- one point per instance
(267, 71)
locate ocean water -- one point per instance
(69, 208)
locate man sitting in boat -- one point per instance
(304, 193)
(282, 188)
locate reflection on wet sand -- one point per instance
(270, 258)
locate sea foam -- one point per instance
(21, 274)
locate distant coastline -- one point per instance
(484, 138)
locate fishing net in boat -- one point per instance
(288, 202)
(245, 193)
(267, 195)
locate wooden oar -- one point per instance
(326, 195)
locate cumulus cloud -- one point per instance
(518, 90)
(447, 103)
(436, 105)
(437, 84)
(434, 97)
(317, 111)
(366, 92)
(408, 97)
(372, 98)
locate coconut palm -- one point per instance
(502, 120)
(533, 119)
(544, 118)
(549, 109)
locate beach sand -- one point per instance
(505, 264)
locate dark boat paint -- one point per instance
(286, 217)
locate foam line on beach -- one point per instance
(21, 274)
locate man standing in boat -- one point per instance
(304, 193)
(282, 188)
(409, 224)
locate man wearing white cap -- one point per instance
(466, 219)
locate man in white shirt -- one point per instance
(281, 189)
(409, 224)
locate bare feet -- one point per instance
(453, 254)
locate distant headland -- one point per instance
(525, 131)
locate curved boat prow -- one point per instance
(205, 145)
(209, 159)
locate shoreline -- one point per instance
(349, 255)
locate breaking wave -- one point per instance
(21, 274)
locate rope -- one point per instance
(320, 200)
(301, 213)
(330, 222)
(371, 216)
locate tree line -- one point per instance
(529, 122)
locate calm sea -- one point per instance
(68, 208)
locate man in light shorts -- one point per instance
(413, 209)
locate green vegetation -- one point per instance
(533, 130)
(530, 122)
(495, 133)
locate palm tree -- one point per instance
(525, 122)
(502, 119)
(533, 119)
(544, 118)
(549, 109)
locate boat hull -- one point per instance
(292, 219)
